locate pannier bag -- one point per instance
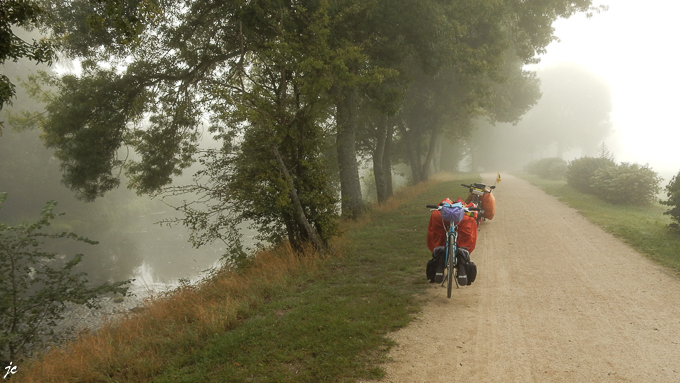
(467, 270)
(453, 213)
(471, 271)
(489, 205)
(467, 233)
(436, 265)
(462, 275)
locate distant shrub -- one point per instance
(551, 168)
(626, 184)
(673, 193)
(581, 171)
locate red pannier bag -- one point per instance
(489, 205)
(438, 229)
(467, 233)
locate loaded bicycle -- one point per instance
(480, 195)
(454, 269)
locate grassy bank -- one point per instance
(644, 227)
(285, 318)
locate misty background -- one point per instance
(596, 88)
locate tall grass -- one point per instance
(137, 348)
(286, 317)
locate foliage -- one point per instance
(274, 174)
(291, 74)
(573, 112)
(35, 284)
(673, 201)
(25, 14)
(581, 171)
(626, 184)
(551, 168)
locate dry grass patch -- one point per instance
(136, 348)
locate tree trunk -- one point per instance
(378, 154)
(425, 172)
(300, 213)
(387, 159)
(350, 186)
(411, 149)
(437, 160)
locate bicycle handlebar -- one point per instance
(437, 207)
(485, 186)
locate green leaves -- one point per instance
(35, 284)
(673, 202)
(19, 13)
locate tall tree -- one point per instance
(573, 112)
(487, 36)
(266, 72)
(260, 71)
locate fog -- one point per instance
(131, 242)
(627, 54)
(632, 47)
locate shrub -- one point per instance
(626, 184)
(35, 284)
(673, 193)
(551, 168)
(581, 171)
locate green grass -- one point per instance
(329, 326)
(644, 227)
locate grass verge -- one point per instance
(644, 227)
(285, 318)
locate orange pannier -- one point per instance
(489, 205)
(437, 232)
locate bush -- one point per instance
(581, 171)
(551, 168)
(673, 193)
(35, 284)
(626, 184)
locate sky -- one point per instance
(634, 46)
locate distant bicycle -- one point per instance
(451, 260)
(476, 196)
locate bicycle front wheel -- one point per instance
(450, 267)
(449, 279)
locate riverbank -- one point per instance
(285, 318)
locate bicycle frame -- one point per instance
(451, 240)
(477, 191)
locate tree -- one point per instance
(24, 14)
(498, 40)
(264, 73)
(573, 112)
(673, 202)
(35, 284)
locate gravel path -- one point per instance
(556, 300)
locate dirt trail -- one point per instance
(556, 300)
